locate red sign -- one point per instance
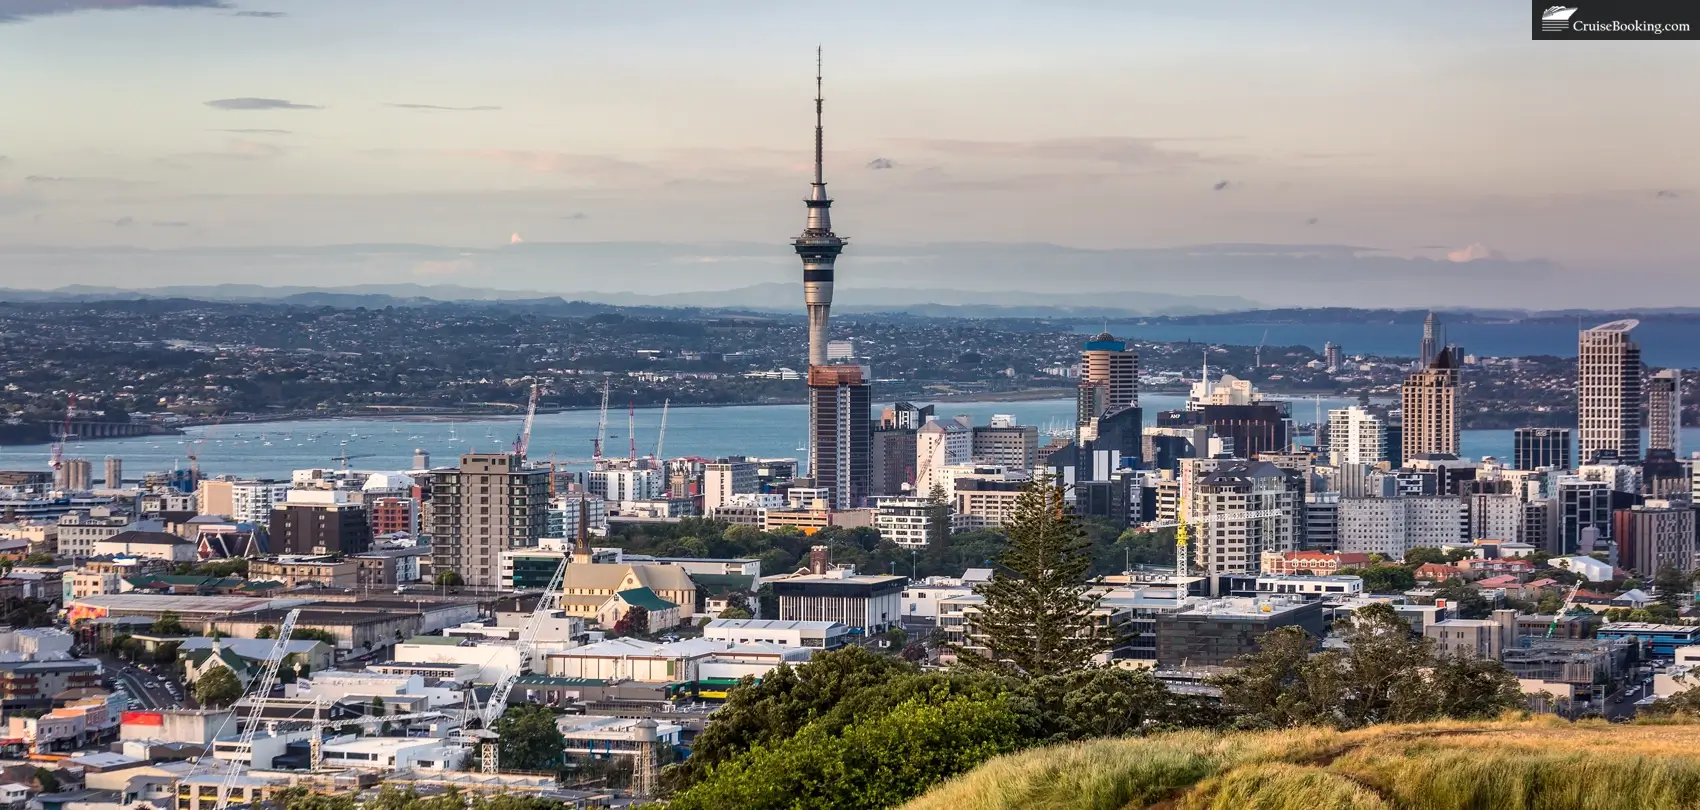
(142, 719)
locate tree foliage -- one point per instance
(217, 688)
(168, 624)
(1037, 616)
(1669, 584)
(634, 623)
(528, 739)
(1383, 577)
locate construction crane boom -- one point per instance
(601, 424)
(1569, 602)
(261, 689)
(547, 602)
(57, 456)
(661, 435)
(1183, 540)
(523, 443)
(631, 428)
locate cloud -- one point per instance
(577, 215)
(124, 222)
(1312, 221)
(480, 108)
(236, 149)
(514, 240)
(1667, 194)
(269, 15)
(110, 182)
(20, 10)
(881, 163)
(1116, 150)
(1475, 252)
(256, 131)
(559, 162)
(170, 224)
(1221, 185)
(248, 103)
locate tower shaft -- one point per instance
(818, 246)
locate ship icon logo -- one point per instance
(1557, 18)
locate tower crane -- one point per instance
(631, 428)
(1257, 356)
(523, 442)
(57, 457)
(1182, 559)
(601, 425)
(661, 436)
(1569, 602)
(260, 688)
(194, 451)
(547, 602)
(344, 457)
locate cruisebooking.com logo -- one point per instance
(1623, 19)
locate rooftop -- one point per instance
(772, 624)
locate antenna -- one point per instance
(819, 126)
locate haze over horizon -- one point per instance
(1315, 153)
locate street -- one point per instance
(149, 691)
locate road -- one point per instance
(146, 689)
(1631, 693)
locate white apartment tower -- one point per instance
(1664, 411)
(1356, 436)
(1608, 393)
(941, 443)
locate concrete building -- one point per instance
(149, 545)
(1608, 393)
(941, 445)
(1536, 448)
(1006, 444)
(1430, 406)
(1356, 436)
(320, 521)
(1495, 517)
(697, 659)
(1109, 378)
(867, 604)
(905, 521)
(296, 571)
(78, 531)
(814, 635)
(30, 684)
(984, 503)
(626, 484)
(1393, 526)
(390, 515)
(723, 479)
(1228, 546)
(840, 432)
(891, 460)
(1216, 631)
(1580, 515)
(1474, 638)
(1664, 411)
(489, 504)
(1653, 535)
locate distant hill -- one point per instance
(1540, 763)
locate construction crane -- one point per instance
(1569, 602)
(523, 441)
(547, 602)
(661, 435)
(260, 689)
(1182, 558)
(1257, 356)
(194, 451)
(57, 456)
(316, 748)
(597, 443)
(344, 457)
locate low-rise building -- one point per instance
(815, 635)
(1213, 632)
(701, 659)
(294, 572)
(157, 545)
(1474, 638)
(1317, 563)
(867, 604)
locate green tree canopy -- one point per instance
(218, 688)
(1037, 616)
(528, 739)
(1383, 578)
(449, 578)
(168, 624)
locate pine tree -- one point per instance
(1037, 617)
(938, 518)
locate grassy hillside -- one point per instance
(1539, 764)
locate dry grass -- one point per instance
(1538, 764)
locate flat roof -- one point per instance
(184, 604)
(774, 624)
(1649, 627)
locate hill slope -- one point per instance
(1541, 763)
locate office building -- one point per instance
(626, 484)
(1579, 515)
(1664, 411)
(1432, 341)
(1229, 546)
(867, 604)
(1534, 448)
(840, 433)
(1109, 378)
(982, 503)
(78, 531)
(941, 444)
(1356, 436)
(320, 521)
(725, 478)
(1215, 632)
(905, 416)
(1608, 393)
(489, 504)
(1244, 430)
(1430, 407)
(1653, 535)
(1321, 522)
(114, 472)
(891, 459)
(1006, 444)
(1393, 526)
(390, 516)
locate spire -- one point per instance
(820, 128)
(581, 547)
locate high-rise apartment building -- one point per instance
(840, 432)
(1333, 357)
(488, 504)
(1534, 448)
(114, 472)
(1393, 526)
(1664, 411)
(1356, 436)
(1653, 535)
(891, 459)
(1005, 443)
(320, 521)
(725, 478)
(1430, 408)
(941, 444)
(1109, 378)
(1229, 546)
(1608, 393)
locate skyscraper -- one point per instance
(489, 504)
(840, 431)
(1534, 448)
(1356, 436)
(818, 246)
(1109, 378)
(1664, 411)
(1431, 341)
(1608, 393)
(1332, 356)
(1430, 400)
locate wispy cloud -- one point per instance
(577, 215)
(123, 222)
(109, 182)
(881, 163)
(256, 131)
(20, 10)
(442, 108)
(249, 103)
(235, 149)
(1474, 252)
(1666, 194)
(1116, 150)
(1221, 185)
(560, 162)
(171, 224)
(269, 15)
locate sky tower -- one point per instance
(818, 246)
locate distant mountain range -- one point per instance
(767, 297)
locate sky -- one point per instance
(143, 137)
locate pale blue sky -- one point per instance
(1418, 128)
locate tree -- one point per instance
(166, 653)
(1383, 578)
(448, 578)
(269, 631)
(634, 623)
(168, 624)
(938, 517)
(218, 688)
(1465, 600)
(38, 558)
(1670, 583)
(48, 780)
(528, 738)
(1037, 617)
(312, 634)
(1423, 555)
(735, 613)
(897, 636)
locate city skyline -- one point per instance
(1380, 150)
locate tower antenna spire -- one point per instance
(820, 128)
